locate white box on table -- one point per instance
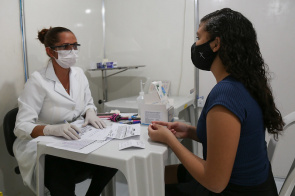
(154, 110)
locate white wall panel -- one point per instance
(11, 84)
(83, 18)
(154, 33)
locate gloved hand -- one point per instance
(68, 131)
(94, 120)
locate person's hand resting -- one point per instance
(179, 129)
(67, 131)
(159, 133)
(94, 120)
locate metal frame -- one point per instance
(103, 27)
(24, 43)
(105, 76)
(196, 81)
(196, 23)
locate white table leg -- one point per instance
(192, 115)
(40, 174)
(110, 188)
(145, 178)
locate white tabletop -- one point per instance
(143, 168)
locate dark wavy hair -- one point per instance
(240, 54)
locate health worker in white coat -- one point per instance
(55, 94)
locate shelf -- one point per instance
(105, 76)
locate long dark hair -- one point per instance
(240, 54)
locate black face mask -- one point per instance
(202, 55)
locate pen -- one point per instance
(136, 122)
(131, 122)
(118, 117)
(127, 118)
(134, 116)
(105, 114)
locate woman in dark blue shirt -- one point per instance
(232, 124)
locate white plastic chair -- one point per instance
(289, 182)
(288, 186)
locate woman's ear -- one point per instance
(216, 45)
(50, 52)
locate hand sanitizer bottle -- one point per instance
(140, 98)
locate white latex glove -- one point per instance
(94, 120)
(68, 131)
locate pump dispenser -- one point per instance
(140, 98)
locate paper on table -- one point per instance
(131, 143)
(86, 132)
(91, 132)
(83, 146)
(48, 139)
(121, 131)
(73, 144)
(91, 138)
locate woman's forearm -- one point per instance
(193, 133)
(194, 164)
(37, 131)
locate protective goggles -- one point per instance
(66, 47)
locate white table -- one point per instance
(143, 168)
(129, 105)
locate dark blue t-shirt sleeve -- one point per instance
(229, 96)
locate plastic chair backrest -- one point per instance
(288, 185)
(271, 149)
(8, 127)
(289, 182)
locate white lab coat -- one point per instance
(45, 101)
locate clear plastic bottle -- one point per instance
(140, 98)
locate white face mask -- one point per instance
(67, 58)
